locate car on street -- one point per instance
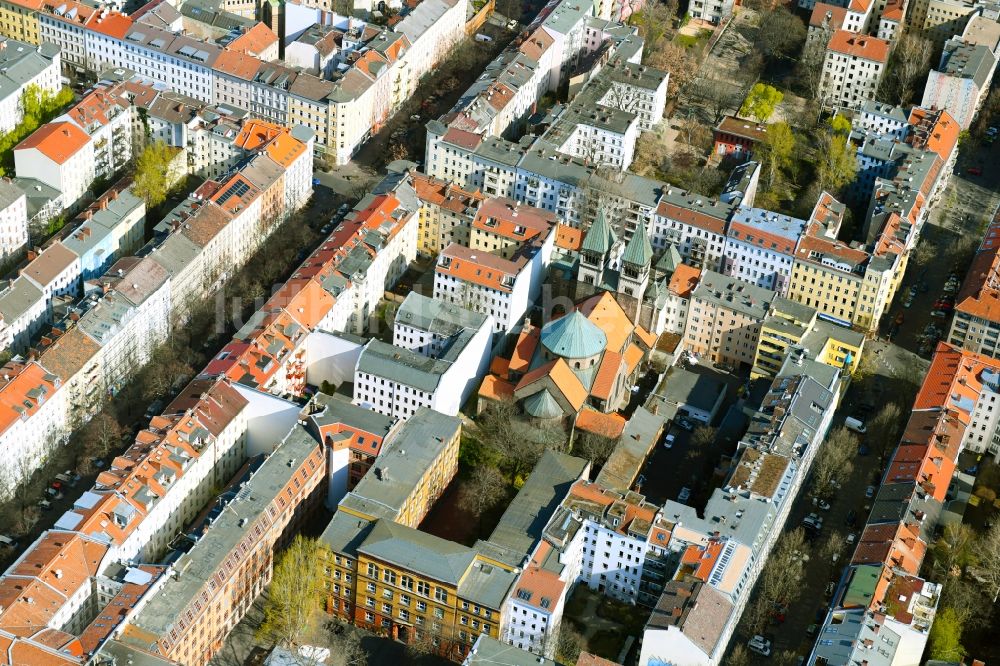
(684, 495)
(831, 587)
(53, 493)
(56, 485)
(851, 538)
(912, 291)
(812, 630)
(852, 518)
(938, 314)
(316, 182)
(641, 480)
(44, 504)
(821, 503)
(725, 367)
(869, 492)
(684, 424)
(760, 645)
(668, 441)
(7, 542)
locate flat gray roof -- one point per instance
(523, 522)
(402, 464)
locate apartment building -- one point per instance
(880, 600)
(110, 228)
(976, 325)
(33, 424)
(23, 64)
(760, 248)
(772, 464)
(960, 83)
(187, 617)
(713, 11)
(724, 319)
(853, 66)
(60, 155)
(70, 577)
(237, 71)
(13, 219)
(438, 356)
(941, 20)
(446, 213)
(791, 326)
(485, 283)
(109, 119)
(413, 468)
(354, 437)
(19, 20)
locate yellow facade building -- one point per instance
(19, 20)
(794, 325)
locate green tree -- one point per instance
(840, 125)
(153, 173)
(761, 102)
(776, 154)
(946, 636)
(836, 161)
(293, 598)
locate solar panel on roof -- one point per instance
(237, 189)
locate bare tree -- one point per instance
(703, 436)
(988, 569)
(953, 550)
(102, 434)
(738, 656)
(594, 447)
(569, 644)
(908, 65)
(834, 460)
(885, 428)
(483, 490)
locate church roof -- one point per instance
(600, 236)
(574, 336)
(639, 251)
(542, 405)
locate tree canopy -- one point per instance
(293, 597)
(152, 173)
(761, 102)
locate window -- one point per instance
(441, 594)
(389, 576)
(423, 588)
(372, 570)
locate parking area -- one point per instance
(686, 464)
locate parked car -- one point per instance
(53, 493)
(869, 492)
(668, 441)
(812, 630)
(725, 367)
(821, 503)
(760, 645)
(938, 314)
(684, 495)
(852, 518)
(851, 538)
(7, 542)
(154, 409)
(854, 424)
(684, 424)
(641, 480)
(44, 505)
(830, 589)
(57, 484)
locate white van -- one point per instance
(854, 424)
(480, 37)
(7, 542)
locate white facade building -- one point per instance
(24, 65)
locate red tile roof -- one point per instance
(57, 141)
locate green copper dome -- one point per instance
(574, 336)
(542, 405)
